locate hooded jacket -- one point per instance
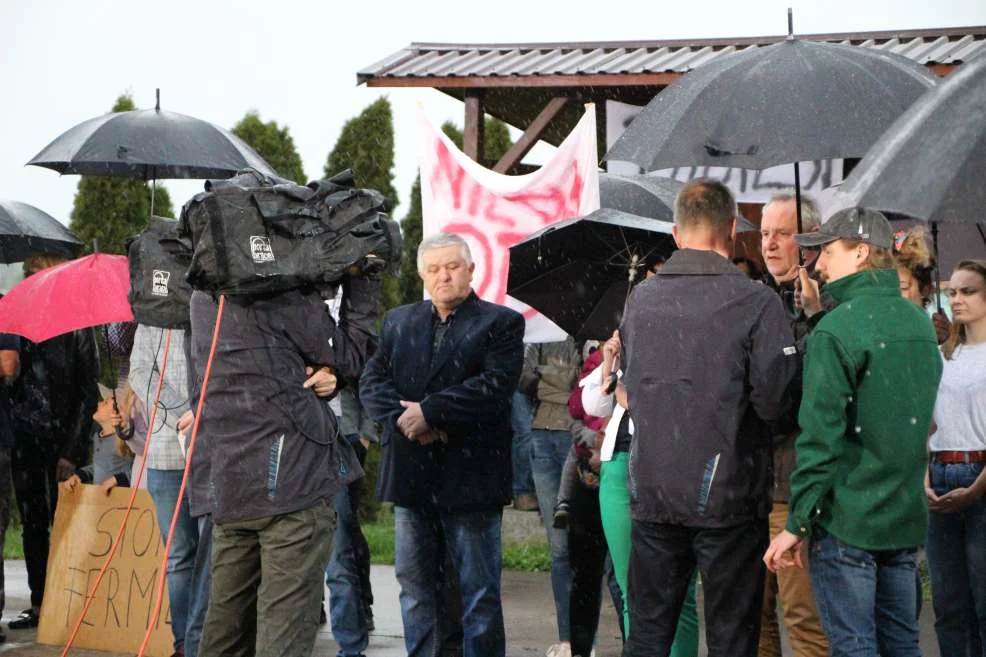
(266, 445)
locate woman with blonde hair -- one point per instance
(955, 483)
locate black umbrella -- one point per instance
(642, 195)
(150, 145)
(25, 231)
(648, 196)
(578, 272)
(784, 103)
(931, 163)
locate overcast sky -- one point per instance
(295, 62)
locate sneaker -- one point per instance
(560, 649)
(368, 614)
(322, 618)
(526, 503)
(560, 521)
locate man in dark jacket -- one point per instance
(791, 587)
(440, 385)
(708, 358)
(51, 407)
(273, 464)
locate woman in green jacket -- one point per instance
(857, 496)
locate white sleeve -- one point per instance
(595, 401)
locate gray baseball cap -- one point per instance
(854, 224)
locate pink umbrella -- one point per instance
(77, 294)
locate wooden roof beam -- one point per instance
(530, 137)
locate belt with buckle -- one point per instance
(959, 457)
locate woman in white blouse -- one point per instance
(956, 483)
(603, 397)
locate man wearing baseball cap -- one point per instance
(857, 498)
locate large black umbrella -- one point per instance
(577, 272)
(150, 145)
(784, 103)
(26, 230)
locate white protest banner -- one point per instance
(493, 211)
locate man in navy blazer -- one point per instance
(441, 384)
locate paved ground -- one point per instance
(529, 616)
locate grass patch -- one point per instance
(528, 556)
(13, 546)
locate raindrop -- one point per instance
(869, 372)
(883, 345)
(859, 429)
(914, 420)
(848, 306)
(849, 399)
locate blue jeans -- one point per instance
(521, 415)
(201, 583)
(957, 562)
(549, 450)
(349, 623)
(866, 599)
(163, 485)
(472, 540)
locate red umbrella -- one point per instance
(77, 294)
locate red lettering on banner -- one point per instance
(494, 222)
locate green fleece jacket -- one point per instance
(871, 377)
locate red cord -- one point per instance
(184, 481)
(130, 505)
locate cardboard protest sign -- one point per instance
(86, 523)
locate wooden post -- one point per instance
(472, 137)
(601, 149)
(530, 137)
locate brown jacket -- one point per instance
(550, 372)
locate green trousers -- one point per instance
(614, 504)
(267, 586)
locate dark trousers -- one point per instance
(662, 560)
(587, 559)
(33, 472)
(5, 499)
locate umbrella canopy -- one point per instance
(74, 295)
(642, 195)
(577, 272)
(149, 144)
(787, 102)
(25, 231)
(648, 196)
(931, 163)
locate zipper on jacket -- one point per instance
(710, 473)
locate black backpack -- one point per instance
(159, 259)
(259, 235)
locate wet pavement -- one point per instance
(528, 611)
